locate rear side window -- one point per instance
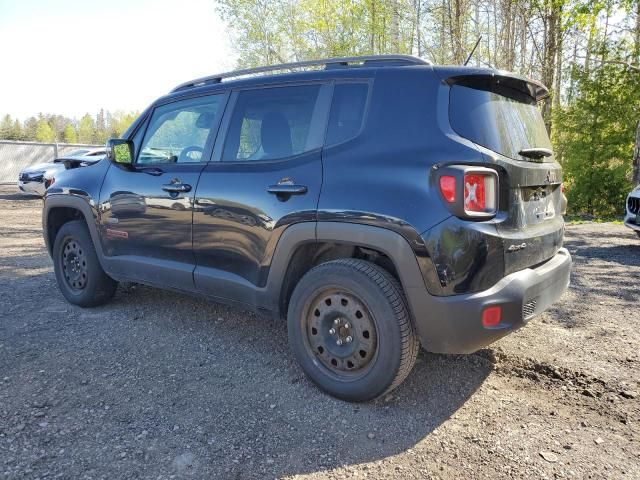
(505, 124)
(273, 123)
(347, 111)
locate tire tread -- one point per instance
(392, 290)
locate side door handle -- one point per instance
(287, 189)
(176, 187)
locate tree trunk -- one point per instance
(550, 55)
(523, 41)
(558, 79)
(637, 33)
(443, 24)
(395, 26)
(418, 19)
(372, 27)
(636, 158)
(457, 29)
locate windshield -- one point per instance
(504, 124)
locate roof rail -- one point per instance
(337, 62)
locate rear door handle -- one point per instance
(176, 187)
(287, 189)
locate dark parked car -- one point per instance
(376, 204)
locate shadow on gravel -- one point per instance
(622, 254)
(582, 244)
(593, 254)
(18, 196)
(157, 383)
(33, 258)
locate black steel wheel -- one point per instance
(350, 329)
(341, 332)
(74, 264)
(79, 274)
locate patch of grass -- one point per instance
(573, 219)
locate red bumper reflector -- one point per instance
(491, 316)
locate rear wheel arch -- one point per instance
(338, 240)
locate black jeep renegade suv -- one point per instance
(375, 202)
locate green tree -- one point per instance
(16, 130)
(44, 132)
(69, 135)
(86, 129)
(30, 127)
(119, 121)
(6, 128)
(595, 136)
(101, 127)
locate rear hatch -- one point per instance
(498, 112)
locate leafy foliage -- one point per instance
(587, 52)
(44, 132)
(595, 138)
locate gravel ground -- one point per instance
(161, 385)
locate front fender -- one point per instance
(76, 200)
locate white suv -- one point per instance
(632, 217)
(35, 179)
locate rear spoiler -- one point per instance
(489, 79)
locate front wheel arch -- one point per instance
(56, 218)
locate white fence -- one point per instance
(14, 156)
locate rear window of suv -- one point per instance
(273, 123)
(347, 111)
(505, 123)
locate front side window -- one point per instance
(178, 131)
(273, 123)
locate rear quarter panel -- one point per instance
(382, 177)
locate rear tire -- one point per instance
(79, 274)
(350, 329)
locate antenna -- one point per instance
(472, 51)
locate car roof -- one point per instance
(334, 68)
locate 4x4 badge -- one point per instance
(552, 176)
(516, 247)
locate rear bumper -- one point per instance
(452, 324)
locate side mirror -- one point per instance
(120, 150)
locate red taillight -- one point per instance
(448, 188)
(491, 316)
(480, 193)
(562, 187)
(469, 192)
(49, 182)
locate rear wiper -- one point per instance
(536, 153)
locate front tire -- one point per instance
(350, 329)
(79, 274)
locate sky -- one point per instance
(72, 57)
